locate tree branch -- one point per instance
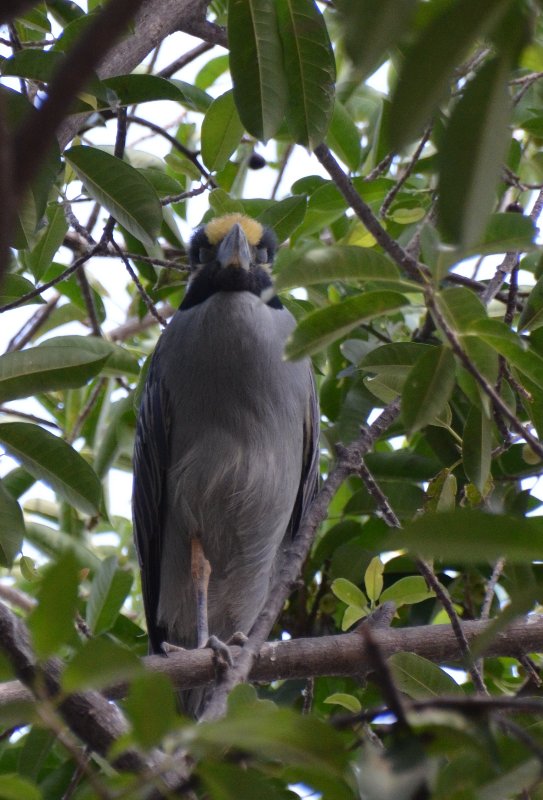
(342, 655)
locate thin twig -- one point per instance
(32, 325)
(192, 157)
(389, 199)
(53, 282)
(186, 58)
(85, 411)
(29, 417)
(281, 171)
(139, 286)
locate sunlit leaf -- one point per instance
(109, 589)
(325, 325)
(51, 460)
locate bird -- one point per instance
(226, 446)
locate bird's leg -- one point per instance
(201, 570)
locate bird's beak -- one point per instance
(234, 250)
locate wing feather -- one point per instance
(151, 461)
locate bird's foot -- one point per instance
(168, 647)
(222, 656)
(238, 638)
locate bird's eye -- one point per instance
(262, 255)
(205, 255)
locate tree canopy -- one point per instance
(399, 653)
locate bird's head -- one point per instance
(231, 253)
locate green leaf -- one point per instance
(343, 136)
(501, 338)
(51, 460)
(110, 587)
(471, 537)
(309, 68)
(51, 623)
(256, 66)
(442, 492)
(141, 88)
(353, 614)
(477, 447)
(461, 307)
(284, 216)
(49, 240)
(100, 663)
(121, 189)
(193, 97)
(150, 706)
(373, 579)
(348, 701)
(14, 287)
(531, 317)
(335, 263)
(407, 591)
(43, 369)
(119, 361)
(398, 357)
(472, 152)
(428, 388)
(371, 28)
(419, 678)
(14, 787)
(505, 232)
(12, 526)
(348, 593)
(326, 325)
(221, 132)
(277, 733)
(430, 61)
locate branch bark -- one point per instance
(342, 655)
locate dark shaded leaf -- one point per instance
(221, 132)
(472, 153)
(12, 526)
(256, 65)
(309, 68)
(372, 27)
(284, 216)
(470, 536)
(121, 189)
(428, 388)
(430, 61)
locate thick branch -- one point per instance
(156, 20)
(342, 655)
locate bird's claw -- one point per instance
(168, 647)
(238, 638)
(221, 654)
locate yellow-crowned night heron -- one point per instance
(225, 458)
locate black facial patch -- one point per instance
(210, 277)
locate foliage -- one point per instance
(413, 236)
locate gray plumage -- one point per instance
(225, 451)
